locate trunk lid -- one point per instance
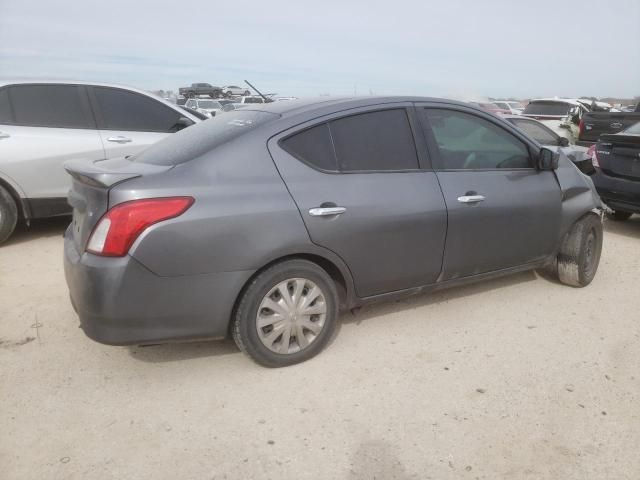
(89, 194)
(619, 155)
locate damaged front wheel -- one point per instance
(579, 254)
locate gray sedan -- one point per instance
(267, 221)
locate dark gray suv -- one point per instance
(265, 222)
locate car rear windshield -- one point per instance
(198, 139)
(547, 108)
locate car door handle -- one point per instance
(4, 135)
(471, 198)
(119, 139)
(326, 211)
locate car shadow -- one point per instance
(408, 303)
(175, 352)
(628, 228)
(42, 228)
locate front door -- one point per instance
(502, 211)
(361, 192)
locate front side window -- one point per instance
(536, 131)
(56, 106)
(379, 140)
(124, 110)
(468, 142)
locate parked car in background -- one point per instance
(206, 106)
(235, 90)
(562, 115)
(249, 99)
(43, 124)
(195, 113)
(490, 107)
(197, 89)
(550, 139)
(279, 215)
(616, 160)
(594, 124)
(514, 108)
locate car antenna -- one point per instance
(266, 100)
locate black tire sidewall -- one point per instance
(590, 223)
(247, 311)
(8, 214)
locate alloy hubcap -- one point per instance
(291, 316)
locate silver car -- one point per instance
(43, 124)
(265, 222)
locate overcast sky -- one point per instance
(294, 47)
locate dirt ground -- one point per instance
(513, 378)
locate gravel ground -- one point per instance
(513, 378)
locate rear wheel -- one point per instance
(8, 214)
(287, 314)
(620, 215)
(580, 252)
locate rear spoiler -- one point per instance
(107, 173)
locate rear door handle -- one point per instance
(471, 198)
(4, 135)
(326, 211)
(119, 139)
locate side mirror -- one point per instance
(547, 159)
(183, 122)
(563, 142)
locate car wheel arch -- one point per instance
(24, 213)
(337, 271)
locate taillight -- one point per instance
(591, 152)
(122, 225)
(581, 128)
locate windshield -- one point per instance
(197, 140)
(208, 104)
(547, 108)
(517, 105)
(633, 129)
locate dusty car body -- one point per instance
(267, 221)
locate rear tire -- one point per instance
(620, 215)
(305, 287)
(8, 214)
(580, 252)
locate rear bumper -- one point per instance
(617, 193)
(120, 302)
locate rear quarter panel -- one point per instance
(242, 218)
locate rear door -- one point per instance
(363, 194)
(129, 121)
(42, 127)
(502, 212)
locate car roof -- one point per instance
(571, 101)
(310, 105)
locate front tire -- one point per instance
(579, 255)
(8, 214)
(620, 215)
(286, 314)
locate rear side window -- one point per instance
(5, 107)
(58, 106)
(376, 141)
(313, 146)
(124, 110)
(199, 139)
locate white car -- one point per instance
(45, 123)
(516, 108)
(230, 90)
(249, 99)
(206, 106)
